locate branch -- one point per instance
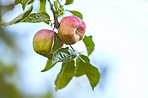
(56, 23)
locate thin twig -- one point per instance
(56, 23)
(75, 50)
(72, 48)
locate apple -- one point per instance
(43, 42)
(71, 30)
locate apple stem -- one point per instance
(56, 23)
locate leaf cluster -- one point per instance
(74, 64)
(41, 16)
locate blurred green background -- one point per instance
(10, 54)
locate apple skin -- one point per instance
(43, 42)
(71, 30)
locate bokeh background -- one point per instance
(120, 32)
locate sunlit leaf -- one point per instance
(63, 55)
(48, 65)
(76, 13)
(19, 18)
(42, 5)
(31, 1)
(83, 66)
(25, 2)
(92, 74)
(68, 2)
(60, 10)
(17, 2)
(80, 65)
(56, 5)
(89, 44)
(65, 75)
(37, 17)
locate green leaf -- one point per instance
(31, 1)
(48, 65)
(76, 13)
(42, 5)
(89, 44)
(60, 10)
(83, 66)
(56, 5)
(25, 2)
(63, 55)
(68, 2)
(61, 7)
(37, 17)
(17, 2)
(65, 75)
(92, 74)
(19, 18)
(57, 43)
(80, 65)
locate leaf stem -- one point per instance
(56, 23)
(81, 59)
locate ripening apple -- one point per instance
(71, 30)
(43, 42)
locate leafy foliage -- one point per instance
(92, 74)
(42, 5)
(24, 2)
(63, 55)
(59, 8)
(56, 5)
(56, 46)
(68, 2)
(83, 66)
(80, 66)
(57, 43)
(48, 65)
(19, 18)
(37, 17)
(89, 44)
(65, 75)
(73, 62)
(17, 2)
